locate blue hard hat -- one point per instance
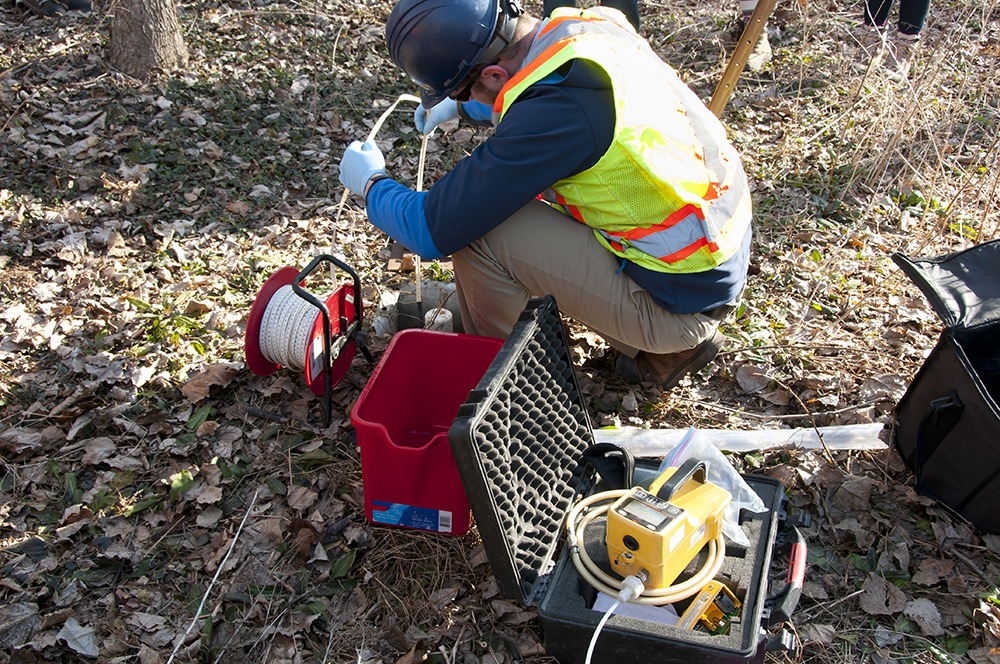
(439, 42)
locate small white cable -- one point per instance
(597, 632)
(385, 114)
(420, 162)
(371, 137)
(632, 587)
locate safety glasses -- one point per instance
(464, 91)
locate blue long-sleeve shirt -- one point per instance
(557, 128)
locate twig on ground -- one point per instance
(971, 564)
(218, 571)
(844, 599)
(812, 420)
(792, 416)
(266, 414)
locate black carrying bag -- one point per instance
(947, 426)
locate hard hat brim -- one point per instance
(431, 98)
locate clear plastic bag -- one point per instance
(721, 473)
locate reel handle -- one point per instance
(316, 302)
(351, 330)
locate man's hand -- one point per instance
(427, 120)
(361, 162)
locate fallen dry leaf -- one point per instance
(985, 655)
(82, 640)
(411, 657)
(147, 655)
(751, 378)
(19, 440)
(881, 598)
(301, 498)
(987, 616)
(18, 622)
(219, 374)
(853, 495)
(238, 208)
(923, 612)
(529, 646)
(97, 450)
(209, 495)
(209, 516)
(444, 596)
(817, 633)
(931, 571)
(207, 428)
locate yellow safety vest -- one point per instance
(670, 193)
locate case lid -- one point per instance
(963, 287)
(517, 442)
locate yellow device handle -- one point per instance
(695, 469)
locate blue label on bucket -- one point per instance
(408, 516)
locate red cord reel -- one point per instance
(282, 318)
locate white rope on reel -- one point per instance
(286, 327)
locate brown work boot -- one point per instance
(902, 49)
(871, 42)
(667, 369)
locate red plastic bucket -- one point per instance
(402, 419)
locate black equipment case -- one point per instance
(518, 442)
(947, 425)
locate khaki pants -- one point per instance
(540, 251)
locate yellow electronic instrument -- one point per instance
(711, 610)
(657, 532)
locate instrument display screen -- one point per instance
(645, 514)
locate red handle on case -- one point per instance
(797, 564)
(785, 601)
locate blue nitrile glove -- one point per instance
(427, 121)
(361, 162)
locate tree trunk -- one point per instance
(146, 38)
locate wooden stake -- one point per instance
(751, 33)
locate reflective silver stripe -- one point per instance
(666, 241)
(729, 173)
(722, 211)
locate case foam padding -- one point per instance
(517, 441)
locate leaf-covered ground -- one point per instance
(160, 503)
